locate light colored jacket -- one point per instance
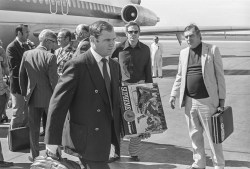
(212, 72)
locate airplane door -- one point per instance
(53, 6)
(65, 7)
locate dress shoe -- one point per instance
(134, 158)
(6, 164)
(113, 159)
(42, 133)
(194, 168)
(160, 76)
(4, 119)
(31, 159)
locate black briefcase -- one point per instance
(222, 125)
(18, 139)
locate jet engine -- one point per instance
(139, 14)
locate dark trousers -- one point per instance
(34, 116)
(3, 101)
(103, 165)
(44, 119)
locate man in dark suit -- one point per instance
(14, 53)
(89, 89)
(81, 44)
(38, 78)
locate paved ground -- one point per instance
(172, 149)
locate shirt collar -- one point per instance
(197, 48)
(66, 47)
(98, 57)
(127, 44)
(42, 47)
(21, 43)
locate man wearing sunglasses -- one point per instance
(135, 62)
(38, 78)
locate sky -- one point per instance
(200, 12)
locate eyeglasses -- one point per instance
(53, 41)
(134, 32)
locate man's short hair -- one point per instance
(193, 26)
(66, 32)
(156, 37)
(82, 27)
(19, 28)
(46, 34)
(96, 28)
(132, 23)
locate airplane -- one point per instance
(57, 14)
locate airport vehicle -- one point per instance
(56, 14)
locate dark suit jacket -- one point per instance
(38, 76)
(14, 53)
(81, 90)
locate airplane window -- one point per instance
(35, 1)
(69, 3)
(46, 2)
(102, 9)
(90, 6)
(41, 1)
(82, 4)
(78, 4)
(53, 2)
(94, 6)
(74, 3)
(98, 7)
(87, 5)
(109, 8)
(63, 3)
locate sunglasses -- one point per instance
(133, 32)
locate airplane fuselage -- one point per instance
(56, 14)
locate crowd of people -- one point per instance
(76, 88)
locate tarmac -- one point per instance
(172, 149)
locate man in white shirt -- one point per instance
(156, 57)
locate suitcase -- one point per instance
(44, 162)
(222, 125)
(18, 139)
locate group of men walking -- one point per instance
(81, 81)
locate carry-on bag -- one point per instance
(222, 125)
(18, 139)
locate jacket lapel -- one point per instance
(96, 76)
(185, 61)
(204, 56)
(19, 47)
